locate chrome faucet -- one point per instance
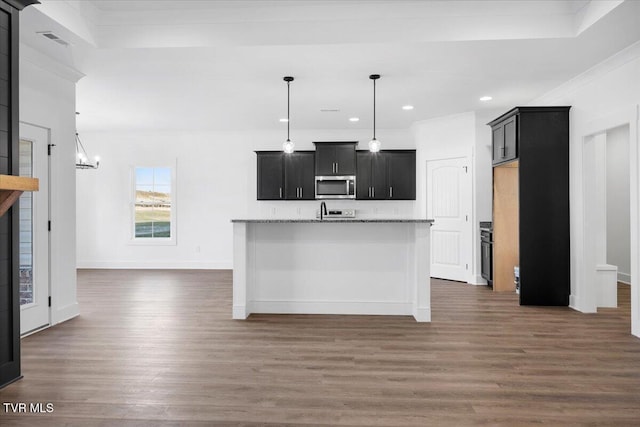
(323, 208)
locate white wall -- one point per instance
(216, 182)
(47, 99)
(450, 137)
(618, 180)
(603, 97)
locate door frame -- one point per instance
(583, 291)
(47, 208)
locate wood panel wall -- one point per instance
(506, 254)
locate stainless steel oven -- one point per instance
(336, 187)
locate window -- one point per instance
(154, 207)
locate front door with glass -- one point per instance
(34, 234)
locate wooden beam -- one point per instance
(22, 183)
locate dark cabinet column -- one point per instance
(538, 137)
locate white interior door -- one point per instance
(448, 203)
(34, 234)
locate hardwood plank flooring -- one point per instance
(160, 348)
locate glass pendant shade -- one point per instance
(374, 145)
(288, 146)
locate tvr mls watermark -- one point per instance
(28, 408)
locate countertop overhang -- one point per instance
(335, 220)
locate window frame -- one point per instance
(153, 241)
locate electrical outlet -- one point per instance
(197, 249)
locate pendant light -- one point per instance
(374, 144)
(288, 145)
(82, 160)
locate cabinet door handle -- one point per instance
(391, 192)
(373, 191)
(336, 167)
(281, 192)
(301, 194)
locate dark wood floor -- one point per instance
(159, 347)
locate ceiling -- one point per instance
(196, 65)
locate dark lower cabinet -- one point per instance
(285, 176)
(9, 222)
(386, 175)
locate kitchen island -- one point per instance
(331, 266)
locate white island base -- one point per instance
(373, 267)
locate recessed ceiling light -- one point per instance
(486, 98)
(354, 119)
(407, 107)
(285, 120)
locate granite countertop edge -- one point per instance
(335, 220)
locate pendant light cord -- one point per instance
(374, 109)
(288, 110)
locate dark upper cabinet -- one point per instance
(299, 175)
(285, 176)
(335, 158)
(270, 175)
(401, 174)
(504, 140)
(386, 175)
(371, 180)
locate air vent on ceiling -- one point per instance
(51, 36)
(329, 110)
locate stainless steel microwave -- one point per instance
(336, 187)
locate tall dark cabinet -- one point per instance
(9, 226)
(531, 203)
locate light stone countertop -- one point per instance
(334, 220)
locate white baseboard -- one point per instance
(337, 307)
(239, 312)
(624, 278)
(156, 265)
(422, 315)
(578, 305)
(65, 313)
(477, 280)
